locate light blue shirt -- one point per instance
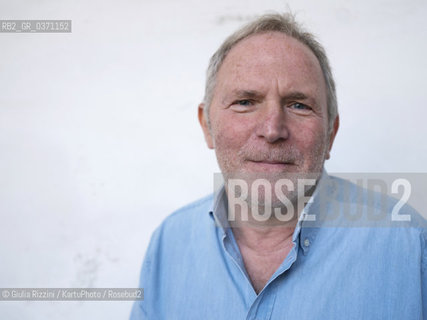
(341, 268)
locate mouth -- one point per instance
(267, 165)
(271, 161)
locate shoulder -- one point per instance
(377, 216)
(178, 236)
(189, 213)
(183, 223)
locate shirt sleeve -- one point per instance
(138, 311)
(140, 307)
(424, 272)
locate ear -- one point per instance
(205, 127)
(333, 134)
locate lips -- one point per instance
(283, 158)
(272, 162)
(281, 161)
(270, 165)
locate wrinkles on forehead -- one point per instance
(253, 66)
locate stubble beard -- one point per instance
(301, 168)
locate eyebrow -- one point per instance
(253, 94)
(295, 96)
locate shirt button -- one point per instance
(306, 242)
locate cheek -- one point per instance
(227, 140)
(230, 133)
(311, 139)
(309, 136)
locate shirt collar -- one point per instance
(220, 208)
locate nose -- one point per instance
(272, 124)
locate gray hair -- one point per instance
(286, 24)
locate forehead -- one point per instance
(263, 59)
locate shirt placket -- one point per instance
(263, 305)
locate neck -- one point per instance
(266, 239)
(263, 249)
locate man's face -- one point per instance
(268, 114)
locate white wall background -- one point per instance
(99, 138)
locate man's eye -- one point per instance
(244, 102)
(243, 105)
(300, 106)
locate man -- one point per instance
(261, 247)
